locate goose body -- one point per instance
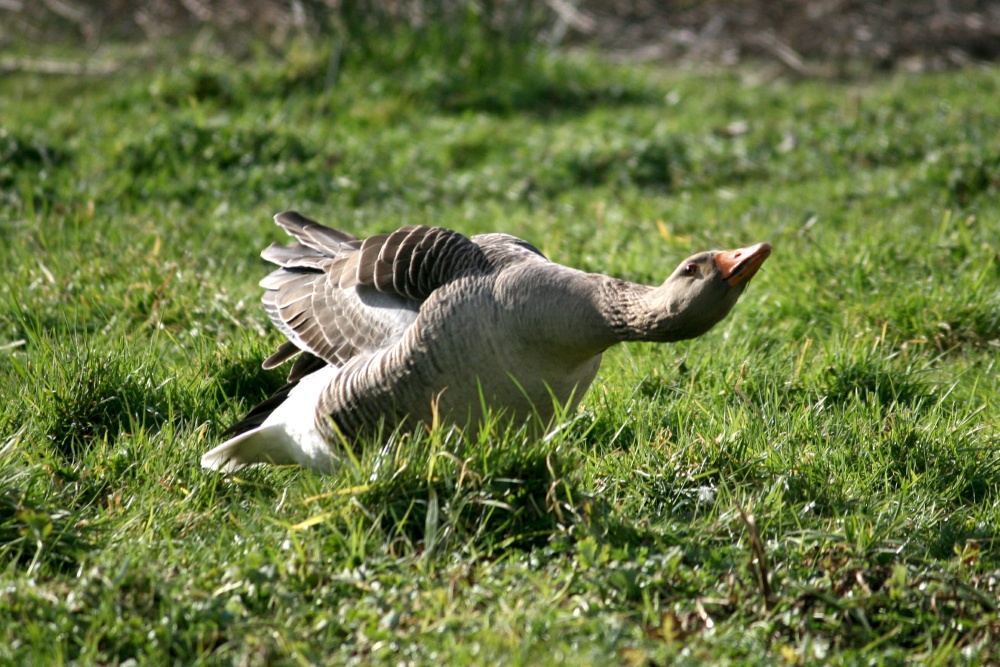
(426, 324)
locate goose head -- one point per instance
(701, 291)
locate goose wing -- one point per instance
(336, 297)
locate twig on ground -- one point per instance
(760, 564)
(568, 16)
(785, 54)
(571, 16)
(59, 67)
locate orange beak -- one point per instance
(738, 266)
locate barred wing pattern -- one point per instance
(336, 297)
(425, 323)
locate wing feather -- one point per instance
(311, 233)
(336, 297)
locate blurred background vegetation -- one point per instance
(826, 37)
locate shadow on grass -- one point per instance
(853, 601)
(102, 397)
(235, 374)
(87, 394)
(443, 492)
(499, 78)
(35, 532)
(514, 495)
(27, 162)
(874, 378)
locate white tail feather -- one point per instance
(289, 434)
(265, 444)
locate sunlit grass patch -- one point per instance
(815, 480)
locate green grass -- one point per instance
(816, 480)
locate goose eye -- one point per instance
(690, 269)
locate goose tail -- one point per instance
(264, 444)
(287, 436)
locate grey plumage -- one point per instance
(397, 328)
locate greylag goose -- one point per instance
(426, 324)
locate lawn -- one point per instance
(815, 480)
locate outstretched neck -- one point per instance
(577, 315)
(642, 313)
